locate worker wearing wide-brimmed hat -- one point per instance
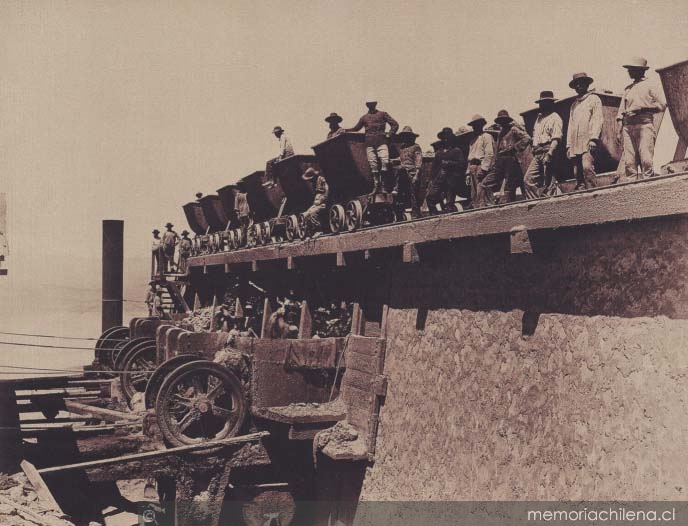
(185, 246)
(335, 129)
(480, 157)
(150, 297)
(314, 215)
(375, 122)
(448, 168)
(156, 252)
(540, 179)
(584, 131)
(169, 243)
(636, 129)
(407, 173)
(512, 141)
(285, 150)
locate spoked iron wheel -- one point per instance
(137, 368)
(354, 215)
(200, 401)
(293, 228)
(107, 342)
(253, 235)
(266, 233)
(156, 379)
(121, 351)
(302, 230)
(337, 219)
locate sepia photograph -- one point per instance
(343, 263)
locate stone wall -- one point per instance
(557, 375)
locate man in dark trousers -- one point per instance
(185, 246)
(407, 174)
(156, 252)
(312, 216)
(480, 157)
(448, 167)
(511, 142)
(375, 123)
(169, 243)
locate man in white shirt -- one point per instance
(156, 248)
(547, 134)
(481, 155)
(285, 150)
(583, 134)
(635, 120)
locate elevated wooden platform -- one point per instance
(656, 197)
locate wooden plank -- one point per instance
(40, 486)
(31, 515)
(306, 322)
(253, 437)
(366, 345)
(410, 253)
(621, 202)
(341, 260)
(355, 397)
(359, 380)
(104, 414)
(362, 362)
(267, 312)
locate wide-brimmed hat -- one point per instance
(169, 225)
(546, 95)
(277, 129)
(370, 98)
(445, 132)
(309, 174)
(636, 62)
(503, 117)
(156, 231)
(333, 117)
(185, 232)
(580, 76)
(463, 130)
(407, 130)
(476, 118)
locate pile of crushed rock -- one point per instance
(20, 505)
(199, 320)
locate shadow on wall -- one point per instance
(632, 269)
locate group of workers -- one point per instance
(491, 164)
(163, 250)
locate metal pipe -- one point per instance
(113, 273)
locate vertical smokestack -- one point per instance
(113, 263)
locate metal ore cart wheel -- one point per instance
(302, 232)
(107, 343)
(137, 367)
(292, 229)
(354, 215)
(337, 219)
(253, 235)
(121, 351)
(156, 379)
(266, 233)
(200, 401)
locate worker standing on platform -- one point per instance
(584, 131)
(312, 217)
(448, 166)
(481, 154)
(335, 129)
(285, 150)
(539, 179)
(375, 123)
(407, 174)
(185, 246)
(156, 253)
(150, 297)
(635, 120)
(169, 243)
(511, 142)
(158, 308)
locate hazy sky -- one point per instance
(125, 109)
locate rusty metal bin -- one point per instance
(264, 201)
(609, 152)
(299, 193)
(214, 212)
(675, 83)
(227, 196)
(196, 217)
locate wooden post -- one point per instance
(267, 312)
(306, 322)
(10, 432)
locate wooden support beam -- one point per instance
(306, 322)
(410, 253)
(227, 268)
(254, 266)
(267, 312)
(205, 269)
(357, 319)
(341, 260)
(291, 263)
(40, 486)
(99, 412)
(520, 240)
(253, 437)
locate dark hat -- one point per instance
(169, 225)
(199, 195)
(309, 174)
(546, 95)
(333, 117)
(636, 62)
(156, 231)
(277, 128)
(407, 130)
(579, 76)
(503, 117)
(476, 118)
(445, 132)
(185, 232)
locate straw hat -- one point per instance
(476, 118)
(636, 62)
(407, 130)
